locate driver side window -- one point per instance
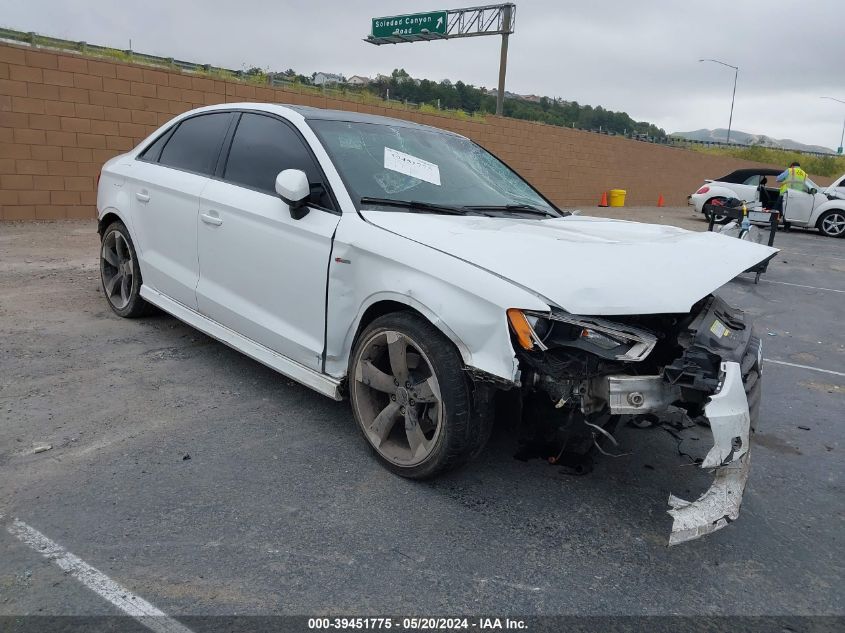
(261, 148)
(754, 180)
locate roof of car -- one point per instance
(320, 114)
(740, 175)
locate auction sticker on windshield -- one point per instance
(411, 166)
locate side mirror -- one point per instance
(292, 187)
(813, 191)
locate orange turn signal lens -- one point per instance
(521, 327)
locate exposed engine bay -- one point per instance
(582, 376)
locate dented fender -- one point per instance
(370, 264)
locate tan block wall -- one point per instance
(63, 115)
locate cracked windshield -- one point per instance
(425, 166)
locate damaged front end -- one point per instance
(596, 371)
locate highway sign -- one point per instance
(492, 19)
(411, 24)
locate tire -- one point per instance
(832, 223)
(717, 200)
(120, 275)
(412, 432)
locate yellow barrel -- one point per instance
(617, 197)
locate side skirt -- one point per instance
(318, 382)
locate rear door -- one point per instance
(167, 181)
(262, 273)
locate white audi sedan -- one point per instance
(411, 270)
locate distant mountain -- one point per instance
(720, 135)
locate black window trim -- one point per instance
(165, 135)
(172, 130)
(227, 148)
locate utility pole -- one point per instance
(503, 59)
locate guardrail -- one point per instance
(684, 141)
(45, 41)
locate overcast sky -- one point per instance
(636, 56)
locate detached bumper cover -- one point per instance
(730, 423)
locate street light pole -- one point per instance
(733, 96)
(841, 138)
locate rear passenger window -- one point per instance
(153, 151)
(264, 146)
(195, 144)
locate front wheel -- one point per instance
(411, 398)
(832, 223)
(120, 274)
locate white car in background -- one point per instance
(810, 208)
(411, 270)
(806, 207)
(751, 185)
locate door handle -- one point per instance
(211, 219)
(143, 197)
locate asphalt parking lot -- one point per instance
(207, 484)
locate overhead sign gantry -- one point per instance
(494, 19)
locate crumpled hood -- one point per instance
(584, 265)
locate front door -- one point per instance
(262, 273)
(797, 206)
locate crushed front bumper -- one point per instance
(730, 423)
(719, 376)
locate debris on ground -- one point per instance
(804, 428)
(41, 448)
(186, 457)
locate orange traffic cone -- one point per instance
(603, 202)
(660, 201)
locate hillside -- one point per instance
(720, 135)
(461, 96)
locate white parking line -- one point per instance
(783, 362)
(786, 283)
(97, 581)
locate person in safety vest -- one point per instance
(792, 178)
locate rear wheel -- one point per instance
(411, 398)
(832, 223)
(120, 274)
(717, 202)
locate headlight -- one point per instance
(608, 339)
(595, 337)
